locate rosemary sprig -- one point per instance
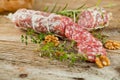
(74, 14)
(46, 9)
(110, 5)
(82, 6)
(54, 7)
(24, 39)
(64, 7)
(70, 13)
(97, 34)
(59, 8)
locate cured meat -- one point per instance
(86, 43)
(46, 22)
(40, 21)
(94, 18)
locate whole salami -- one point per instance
(94, 18)
(64, 26)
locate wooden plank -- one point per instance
(16, 58)
(8, 31)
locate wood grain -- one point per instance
(17, 58)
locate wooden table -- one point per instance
(17, 59)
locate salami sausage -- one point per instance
(94, 18)
(46, 22)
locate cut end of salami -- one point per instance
(94, 18)
(46, 22)
(86, 43)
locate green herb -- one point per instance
(54, 7)
(110, 5)
(99, 35)
(82, 57)
(26, 40)
(98, 2)
(63, 57)
(98, 55)
(64, 7)
(22, 38)
(73, 58)
(69, 13)
(48, 49)
(30, 32)
(58, 9)
(33, 37)
(82, 6)
(46, 9)
(72, 43)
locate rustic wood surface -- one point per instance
(21, 62)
